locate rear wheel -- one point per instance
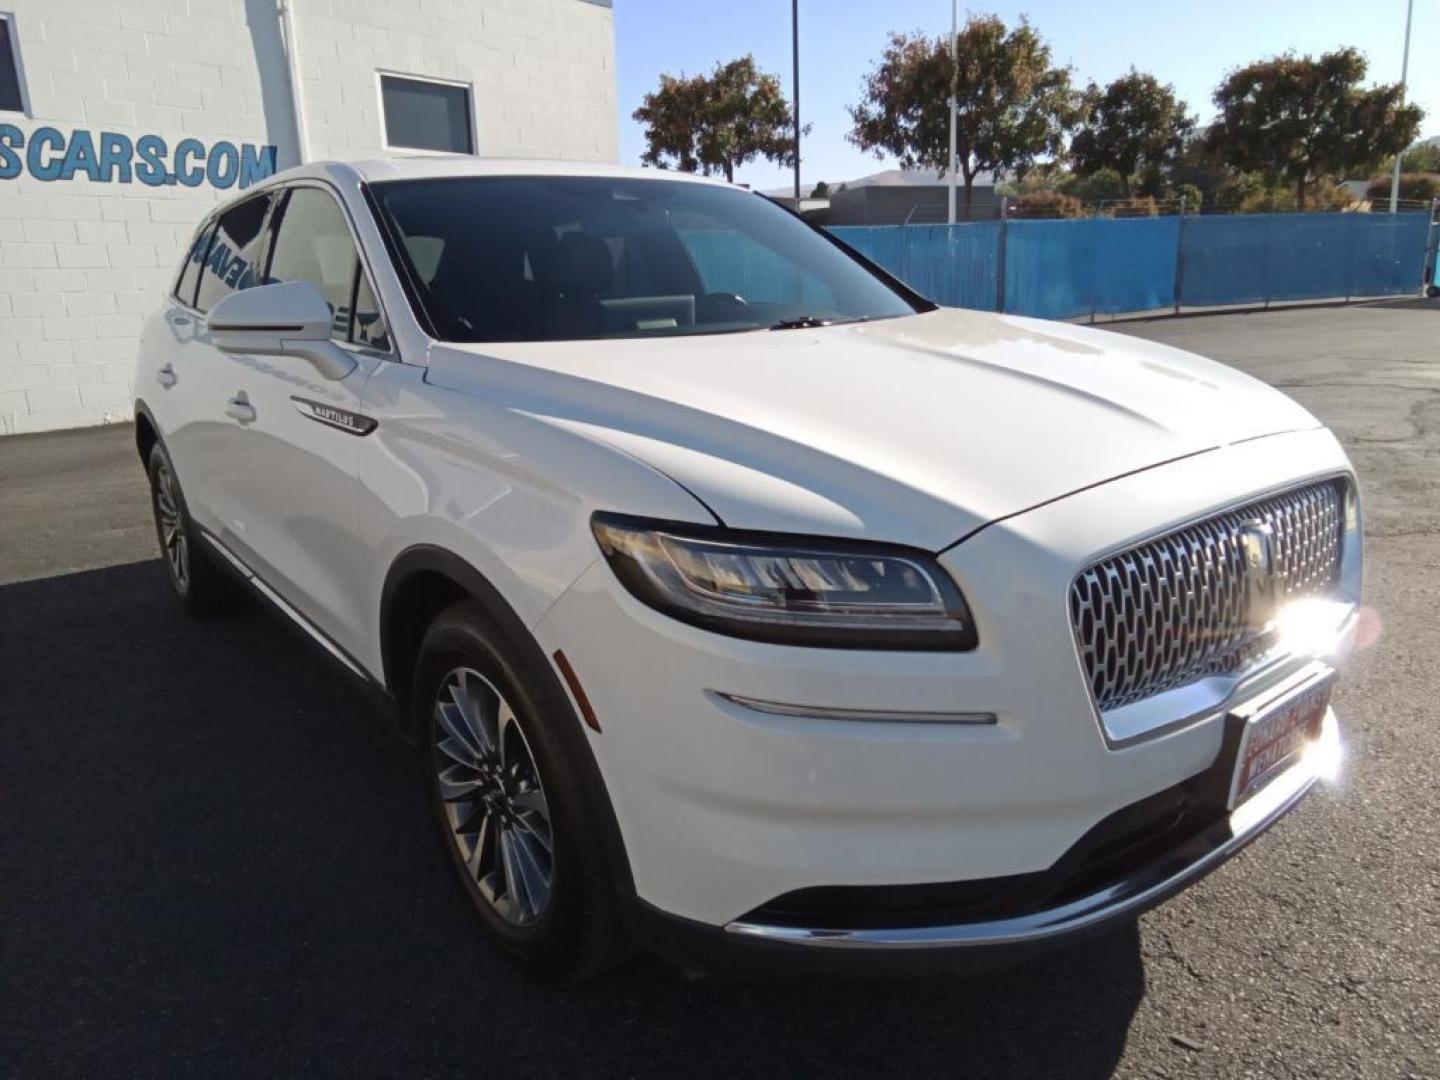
(199, 584)
(500, 762)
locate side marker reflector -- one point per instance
(587, 711)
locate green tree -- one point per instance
(1417, 187)
(820, 191)
(1013, 105)
(1135, 124)
(1423, 158)
(1102, 185)
(1303, 119)
(715, 123)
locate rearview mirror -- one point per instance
(288, 318)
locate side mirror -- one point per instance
(288, 318)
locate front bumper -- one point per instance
(1137, 891)
(725, 809)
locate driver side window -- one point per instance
(313, 243)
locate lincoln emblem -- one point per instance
(1262, 578)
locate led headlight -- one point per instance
(795, 590)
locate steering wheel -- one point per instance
(713, 306)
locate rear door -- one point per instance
(168, 349)
(207, 445)
(293, 509)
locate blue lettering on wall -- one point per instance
(223, 166)
(151, 150)
(80, 157)
(110, 158)
(256, 163)
(43, 140)
(11, 139)
(115, 154)
(188, 174)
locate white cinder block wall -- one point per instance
(88, 241)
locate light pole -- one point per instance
(795, 57)
(954, 64)
(1404, 73)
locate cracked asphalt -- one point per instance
(215, 859)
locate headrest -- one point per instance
(582, 266)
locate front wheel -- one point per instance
(500, 761)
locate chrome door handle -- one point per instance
(166, 376)
(239, 408)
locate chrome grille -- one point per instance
(1176, 608)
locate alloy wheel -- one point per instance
(172, 530)
(492, 797)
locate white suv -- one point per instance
(735, 594)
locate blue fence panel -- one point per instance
(954, 265)
(1252, 258)
(1066, 269)
(1307, 256)
(1224, 259)
(1061, 269)
(1387, 253)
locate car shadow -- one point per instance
(217, 859)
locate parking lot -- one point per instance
(215, 858)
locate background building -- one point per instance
(909, 197)
(122, 120)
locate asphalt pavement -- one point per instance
(215, 858)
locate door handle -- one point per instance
(239, 408)
(166, 376)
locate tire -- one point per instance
(500, 748)
(202, 586)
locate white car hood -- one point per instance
(914, 430)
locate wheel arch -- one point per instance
(425, 579)
(147, 432)
(422, 581)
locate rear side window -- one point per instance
(190, 272)
(235, 258)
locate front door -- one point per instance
(293, 512)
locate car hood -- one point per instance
(914, 430)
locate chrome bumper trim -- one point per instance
(884, 716)
(1130, 896)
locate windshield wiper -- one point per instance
(807, 322)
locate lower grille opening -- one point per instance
(1121, 845)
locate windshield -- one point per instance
(554, 258)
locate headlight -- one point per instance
(795, 590)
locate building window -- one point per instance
(423, 114)
(11, 100)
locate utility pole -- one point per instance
(795, 56)
(954, 66)
(1404, 73)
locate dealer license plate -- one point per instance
(1275, 736)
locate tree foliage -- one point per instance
(715, 123)
(1135, 125)
(1013, 106)
(1302, 118)
(1046, 204)
(1424, 158)
(1417, 187)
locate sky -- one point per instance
(1191, 44)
